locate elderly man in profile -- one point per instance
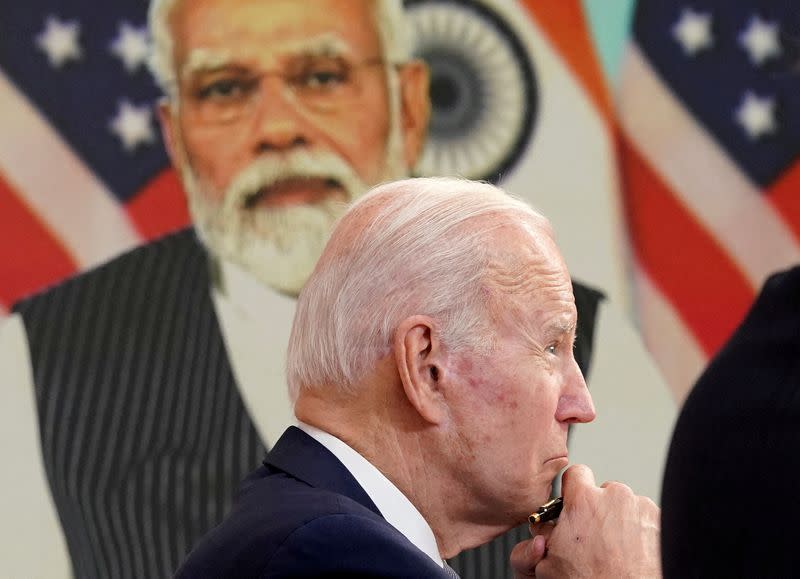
(432, 367)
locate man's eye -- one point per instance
(551, 349)
(224, 89)
(323, 78)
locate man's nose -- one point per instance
(278, 121)
(575, 404)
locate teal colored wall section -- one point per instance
(610, 21)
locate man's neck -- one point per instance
(411, 457)
(395, 507)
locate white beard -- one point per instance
(279, 245)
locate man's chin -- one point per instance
(284, 273)
(279, 248)
(283, 265)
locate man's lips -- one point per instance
(562, 458)
(295, 191)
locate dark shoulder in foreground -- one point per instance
(729, 499)
(282, 527)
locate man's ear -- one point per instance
(421, 366)
(415, 109)
(169, 128)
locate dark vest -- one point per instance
(144, 434)
(145, 437)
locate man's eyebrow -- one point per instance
(562, 327)
(554, 330)
(208, 60)
(204, 60)
(327, 44)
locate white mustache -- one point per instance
(268, 171)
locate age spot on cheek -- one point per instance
(465, 366)
(486, 387)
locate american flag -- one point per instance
(710, 114)
(83, 172)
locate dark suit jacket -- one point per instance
(302, 514)
(731, 496)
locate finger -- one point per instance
(526, 555)
(647, 504)
(542, 529)
(649, 511)
(575, 477)
(618, 489)
(610, 483)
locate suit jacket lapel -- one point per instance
(302, 457)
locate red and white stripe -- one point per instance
(704, 236)
(70, 206)
(56, 216)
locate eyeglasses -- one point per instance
(316, 83)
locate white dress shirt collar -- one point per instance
(255, 321)
(391, 502)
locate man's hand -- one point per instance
(527, 554)
(604, 531)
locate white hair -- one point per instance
(416, 246)
(393, 31)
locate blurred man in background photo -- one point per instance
(156, 381)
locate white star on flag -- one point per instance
(59, 40)
(757, 115)
(760, 39)
(132, 124)
(131, 46)
(693, 31)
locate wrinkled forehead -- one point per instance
(265, 32)
(538, 308)
(526, 266)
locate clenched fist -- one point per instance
(604, 531)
